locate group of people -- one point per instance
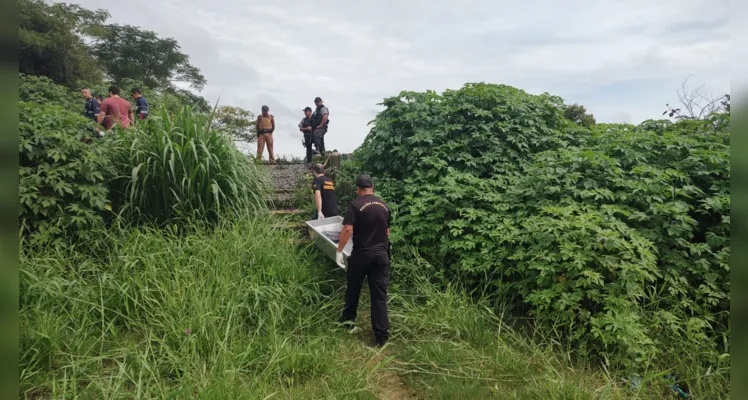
(114, 109)
(367, 222)
(314, 127)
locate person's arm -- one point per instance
(272, 122)
(257, 124)
(102, 113)
(348, 221)
(318, 200)
(345, 235)
(324, 119)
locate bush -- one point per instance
(177, 168)
(617, 234)
(62, 189)
(42, 90)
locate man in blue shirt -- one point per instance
(91, 110)
(141, 105)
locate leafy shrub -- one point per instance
(618, 233)
(42, 90)
(177, 167)
(62, 180)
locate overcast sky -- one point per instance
(623, 60)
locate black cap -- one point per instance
(265, 108)
(316, 99)
(307, 109)
(364, 181)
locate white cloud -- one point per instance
(622, 59)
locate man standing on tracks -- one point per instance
(368, 220)
(320, 122)
(265, 126)
(305, 126)
(324, 193)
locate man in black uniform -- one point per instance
(305, 126)
(368, 220)
(324, 193)
(320, 121)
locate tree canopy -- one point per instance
(50, 42)
(127, 51)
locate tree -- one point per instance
(50, 43)
(578, 114)
(237, 122)
(696, 103)
(127, 51)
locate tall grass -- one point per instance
(217, 313)
(176, 167)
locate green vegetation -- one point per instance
(178, 167)
(616, 238)
(538, 255)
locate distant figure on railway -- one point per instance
(305, 126)
(115, 109)
(324, 194)
(265, 126)
(141, 104)
(320, 121)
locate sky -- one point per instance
(623, 60)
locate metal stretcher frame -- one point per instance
(317, 227)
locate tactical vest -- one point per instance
(317, 117)
(265, 123)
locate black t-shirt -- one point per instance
(370, 217)
(326, 188)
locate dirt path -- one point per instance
(388, 385)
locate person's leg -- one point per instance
(260, 146)
(308, 144)
(318, 138)
(355, 274)
(269, 141)
(379, 276)
(322, 142)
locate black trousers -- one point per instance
(375, 266)
(308, 145)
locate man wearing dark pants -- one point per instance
(324, 194)
(320, 121)
(368, 220)
(305, 126)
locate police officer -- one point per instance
(368, 220)
(91, 109)
(319, 125)
(305, 126)
(141, 111)
(324, 193)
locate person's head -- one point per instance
(308, 112)
(86, 93)
(113, 90)
(97, 97)
(318, 169)
(317, 101)
(135, 92)
(364, 185)
(265, 110)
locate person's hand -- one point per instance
(320, 216)
(339, 259)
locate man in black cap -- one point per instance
(305, 126)
(368, 220)
(320, 122)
